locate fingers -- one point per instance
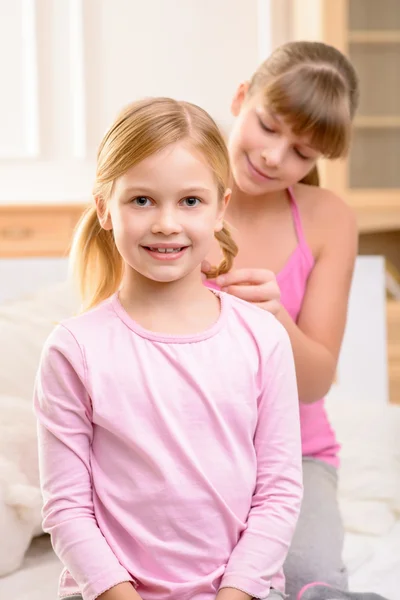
(205, 266)
(266, 292)
(273, 306)
(258, 295)
(245, 276)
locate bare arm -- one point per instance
(232, 594)
(317, 336)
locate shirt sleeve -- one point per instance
(263, 546)
(63, 408)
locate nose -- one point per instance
(274, 154)
(166, 222)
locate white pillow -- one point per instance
(369, 475)
(19, 452)
(24, 327)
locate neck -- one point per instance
(141, 291)
(177, 307)
(242, 206)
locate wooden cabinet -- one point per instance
(393, 329)
(368, 32)
(37, 230)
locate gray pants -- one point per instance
(316, 550)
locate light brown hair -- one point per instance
(140, 130)
(314, 87)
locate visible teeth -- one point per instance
(166, 250)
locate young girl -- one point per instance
(298, 107)
(169, 435)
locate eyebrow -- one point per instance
(145, 189)
(266, 112)
(307, 147)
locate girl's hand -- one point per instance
(232, 594)
(254, 285)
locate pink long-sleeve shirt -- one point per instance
(171, 462)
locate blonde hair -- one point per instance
(140, 130)
(314, 87)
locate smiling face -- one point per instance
(164, 212)
(265, 154)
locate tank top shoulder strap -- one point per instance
(297, 220)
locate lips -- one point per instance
(164, 250)
(256, 171)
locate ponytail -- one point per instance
(229, 251)
(95, 262)
(312, 178)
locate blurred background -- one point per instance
(67, 67)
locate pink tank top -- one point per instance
(318, 438)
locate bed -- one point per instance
(34, 243)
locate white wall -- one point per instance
(362, 374)
(296, 20)
(69, 65)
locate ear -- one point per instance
(239, 98)
(221, 211)
(102, 213)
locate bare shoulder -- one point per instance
(325, 217)
(322, 205)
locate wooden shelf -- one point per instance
(37, 230)
(377, 122)
(374, 37)
(393, 335)
(376, 210)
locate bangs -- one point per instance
(313, 102)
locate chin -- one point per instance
(252, 188)
(164, 278)
(167, 277)
(249, 187)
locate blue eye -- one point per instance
(141, 201)
(191, 201)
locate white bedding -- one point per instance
(38, 578)
(373, 562)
